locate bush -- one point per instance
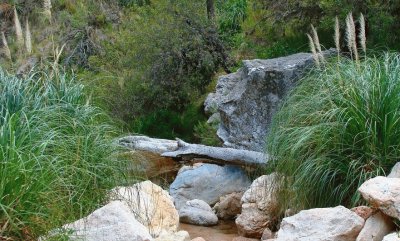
(170, 124)
(207, 133)
(56, 156)
(166, 64)
(340, 127)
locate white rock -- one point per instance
(259, 208)
(178, 236)
(229, 206)
(383, 193)
(113, 222)
(376, 227)
(392, 237)
(151, 205)
(321, 224)
(395, 173)
(198, 212)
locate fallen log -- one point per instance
(144, 143)
(180, 150)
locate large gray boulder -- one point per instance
(247, 99)
(207, 182)
(321, 224)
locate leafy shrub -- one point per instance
(130, 3)
(170, 124)
(161, 69)
(232, 14)
(339, 127)
(56, 156)
(207, 134)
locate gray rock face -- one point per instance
(321, 224)
(246, 100)
(207, 182)
(198, 212)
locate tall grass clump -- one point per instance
(338, 128)
(56, 156)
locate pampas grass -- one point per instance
(351, 36)
(18, 29)
(28, 39)
(5, 50)
(47, 8)
(317, 43)
(338, 128)
(313, 49)
(337, 36)
(362, 35)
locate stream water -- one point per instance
(224, 231)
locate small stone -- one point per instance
(198, 212)
(267, 234)
(229, 206)
(363, 211)
(244, 239)
(178, 236)
(198, 239)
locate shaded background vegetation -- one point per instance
(149, 62)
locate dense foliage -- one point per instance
(56, 155)
(340, 127)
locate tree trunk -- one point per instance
(210, 10)
(181, 150)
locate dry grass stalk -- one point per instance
(5, 50)
(28, 38)
(313, 50)
(317, 43)
(47, 8)
(337, 35)
(351, 36)
(18, 29)
(362, 35)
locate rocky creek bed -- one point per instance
(208, 193)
